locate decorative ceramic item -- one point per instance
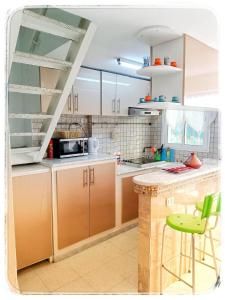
(162, 98)
(173, 63)
(146, 61)
(148, 98)
(175, 99)
(167, 60)
(158, 61)
(193, 161)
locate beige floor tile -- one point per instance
(93, 258)
(31, 284)
(56, 275)
(77, 286)
(124, 287)
(124, 265)
(133, 279)
(134, 254)
(124, 242)
(26, 273)
(104, 278)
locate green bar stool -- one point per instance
(194, 225)
(215, 213)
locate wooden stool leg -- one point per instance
(190, 256)
(181, 251)
(204, 246)
(213, 253)
(161, 264)
(193, 263)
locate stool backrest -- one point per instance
(210, 201)
(218, 206)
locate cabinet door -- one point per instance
(72, 206)
(129, 200)
(129, 90)
(201, 71)
(102, 197)
(109, 94)
(88, 92)
(124, 94)
(140, 89)
(33, 218)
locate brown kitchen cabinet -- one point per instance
(72, 206)
(85, 202)
(129, 200)
(102, 197)
(33, 218)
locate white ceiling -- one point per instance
(117, 31)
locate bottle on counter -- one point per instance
(168, 154)
(172, 155)
(50, 149)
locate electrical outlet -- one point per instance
(170, 201)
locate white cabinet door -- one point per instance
(109, 94)
(87, 93)
(129, 90)
(124, 91)
(140, 89)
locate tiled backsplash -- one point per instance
(129, 135)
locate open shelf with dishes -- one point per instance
(158, 70)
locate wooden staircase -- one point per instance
(80, 38)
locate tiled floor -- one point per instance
(109, 267)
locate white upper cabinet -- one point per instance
(109, 94)
(86, 94)
(119, 92)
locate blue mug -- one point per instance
(162, 98)
(142, 100)
(175, 99)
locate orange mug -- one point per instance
(173, 64)
(157, 61)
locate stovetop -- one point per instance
(138, 162)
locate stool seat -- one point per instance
(186, 223)
(199, 207)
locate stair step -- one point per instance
(26, 89)
(27, 134)
(29, 116)
(44, 24)
(25, 149)
(41, 61)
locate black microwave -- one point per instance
(69, 147)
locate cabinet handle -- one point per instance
(114, 105)
(69, 102)
(77, 103)
(118, 105)
(85, 177)
(91, 176)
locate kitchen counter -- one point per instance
(79, 160)
(124, 169)
(162, 177)
(29, 169)
(160, 194)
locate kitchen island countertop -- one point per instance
(161, 177)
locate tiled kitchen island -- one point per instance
(160, 194)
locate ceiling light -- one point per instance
(127, 63)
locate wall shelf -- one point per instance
(158, 70)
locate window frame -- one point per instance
(183, 146)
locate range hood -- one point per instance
(142, 111)
(154, 108)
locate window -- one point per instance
(187, 130)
